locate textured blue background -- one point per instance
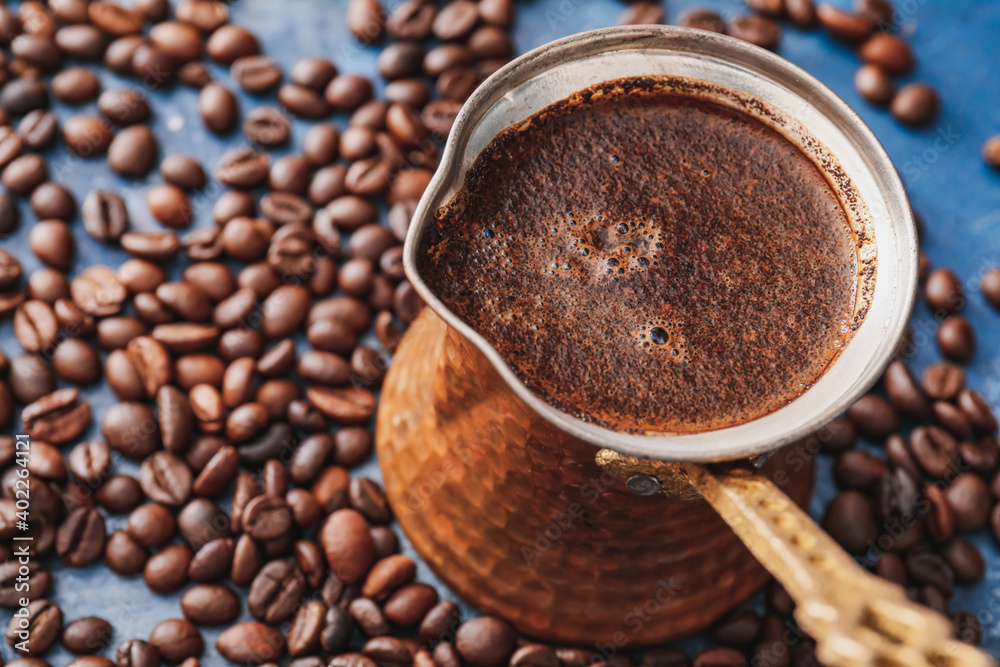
(958, 51)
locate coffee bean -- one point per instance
(90, 462)
(81, 41)
(387, 575)
(850, 521)
(89, 634)
(874, 84)
(977, 410)
(80, 538)
(52, 242)
(212, 560)
(165, 479)
(888, 51)
(124, 106)
(120, 494)
(970, 498)
(368, 617)
(133, 151)
(42, 625)
(485, 641)
(349, 405)
(87, 135)
(250, 642)
(176, 640)
(756, 29)
(880, 11)
(267, 517)
(367, 497)
(137, 653)
(76, 85)
(929, 568)
(242, 168)
(218, 108)
(20, 96)
(965, 560)
(35, 326)
(124, 555)
(843, 24)
(642, 13)
(276, 592)
(347, 544)
(38, 130)
(230, 42)
(408, 605)
(874, 416)
(387, 650)
(915, 104)
(131, 429)
(344, 92)
(57, 417)
(25, 173)
(951, 418)
(366, 20)
(255, 73)
(210, 604)
(304, 633)
(38, 580)
(944, 292)
(114, 19)
(956, 339)
(857, 469)
(533, 655)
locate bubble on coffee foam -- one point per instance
(666, 338)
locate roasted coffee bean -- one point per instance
(874, 417)
(242, 168)
(943, 381)
(213, 560)
(52, 242)
(250, 642)
(131, 429)
(915, 104)
(124, 106)
(533, 655)
(20, 96)
(76, 85)
(905, 392)
(977, 410)
(25, 173)
(210, 604)
(165, 479)
(874, 84)
(889, 51)
(756, 29)
(440, 621)
(352, 445)
(368, 617)
(120, 494)
(42, 625)
(929, 568)
(255, 73)
(350, 405)
(80, 538)
(151, 525)
(857, 469)
(965, 560)
(38, 130)
(956, 339)
(218, 108)
(124, 554)
(641, 13)
(348, 544)
(35, 326)
(843, 24)
(266, 126)
(133, 151)
(137, 653)
(408, 605)
(183, 171)
(89, 634)
(485, 641)
(105, 217)
(970, 498)
(177, 640)
(387, 575)
(230, 42)
(38, 580)
(90, 462)
(943, 291)
(306, 628)
(57, 417)
(87, 135)
(366, 20)
(166, 570)
(366, 496)
(276, 592)
(951, 417)
(446, 655)
(850, 521)
(387, 650)
(935, 450)
(267, 517)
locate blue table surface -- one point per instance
(958, 50)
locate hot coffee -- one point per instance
(650, 261)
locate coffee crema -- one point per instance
(649, 261)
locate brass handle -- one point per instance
(856, 618)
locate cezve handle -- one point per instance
(856, 618)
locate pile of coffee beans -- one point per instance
(871, 29)
(219, 405)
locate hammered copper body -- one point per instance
(518, 517)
